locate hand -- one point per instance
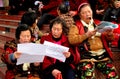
(73, 13)
(100, 11)
(91, 33)
(17, 54)
(109, 31)
(67, 54)
(36, 63)
(55, 72)
(40, 6)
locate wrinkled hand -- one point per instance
(91, 33)
(55, 72)
(17, 54)
(109, 31)
(67, 54)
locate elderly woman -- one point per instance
(91, 46)
(51, 66)
(9, 57)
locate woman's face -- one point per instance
(57, 30)
(25, 36)
(86, 14)
(117, 4)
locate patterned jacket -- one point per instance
(14, 70)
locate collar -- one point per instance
(85, 24)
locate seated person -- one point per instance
(112, 13)
(9, 57)
(48, 11)
(64, 13)
(91, 46)
(51, 66)
(31, 19)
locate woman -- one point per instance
(64, 13)
(92, 47)
(9, 57)
(51, 66)
(31, 19)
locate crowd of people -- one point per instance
(69, 23)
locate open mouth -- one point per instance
(88, 17)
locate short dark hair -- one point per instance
(59, 21)
(29, 18)
(64, 7)
(20, 28)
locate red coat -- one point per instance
(48, 61)
(51, 7)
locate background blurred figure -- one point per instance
(48, 11)
(112, 13)
(31, 19)
(98, 7)
(14, 6)
(64, 13)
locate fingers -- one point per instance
(91, 33)
(17, 54)
(55, 72)
(37, 64)
(67, 54)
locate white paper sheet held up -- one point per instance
(56, 51)
(32, 52)
(31, 48)
(26, 58)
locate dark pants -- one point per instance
(66, 71)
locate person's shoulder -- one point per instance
(10, 44)
(47, 36)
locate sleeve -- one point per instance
(7, 55)
(52, 4)
(42, 39)
(74, 37)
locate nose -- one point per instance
(56, 31)
(26, 38)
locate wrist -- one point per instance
(12, 58)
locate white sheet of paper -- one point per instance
(32, 52)
(26, 58)
(55, 50)
(32, 48)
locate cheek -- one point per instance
(59, 34)
(21, 40)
